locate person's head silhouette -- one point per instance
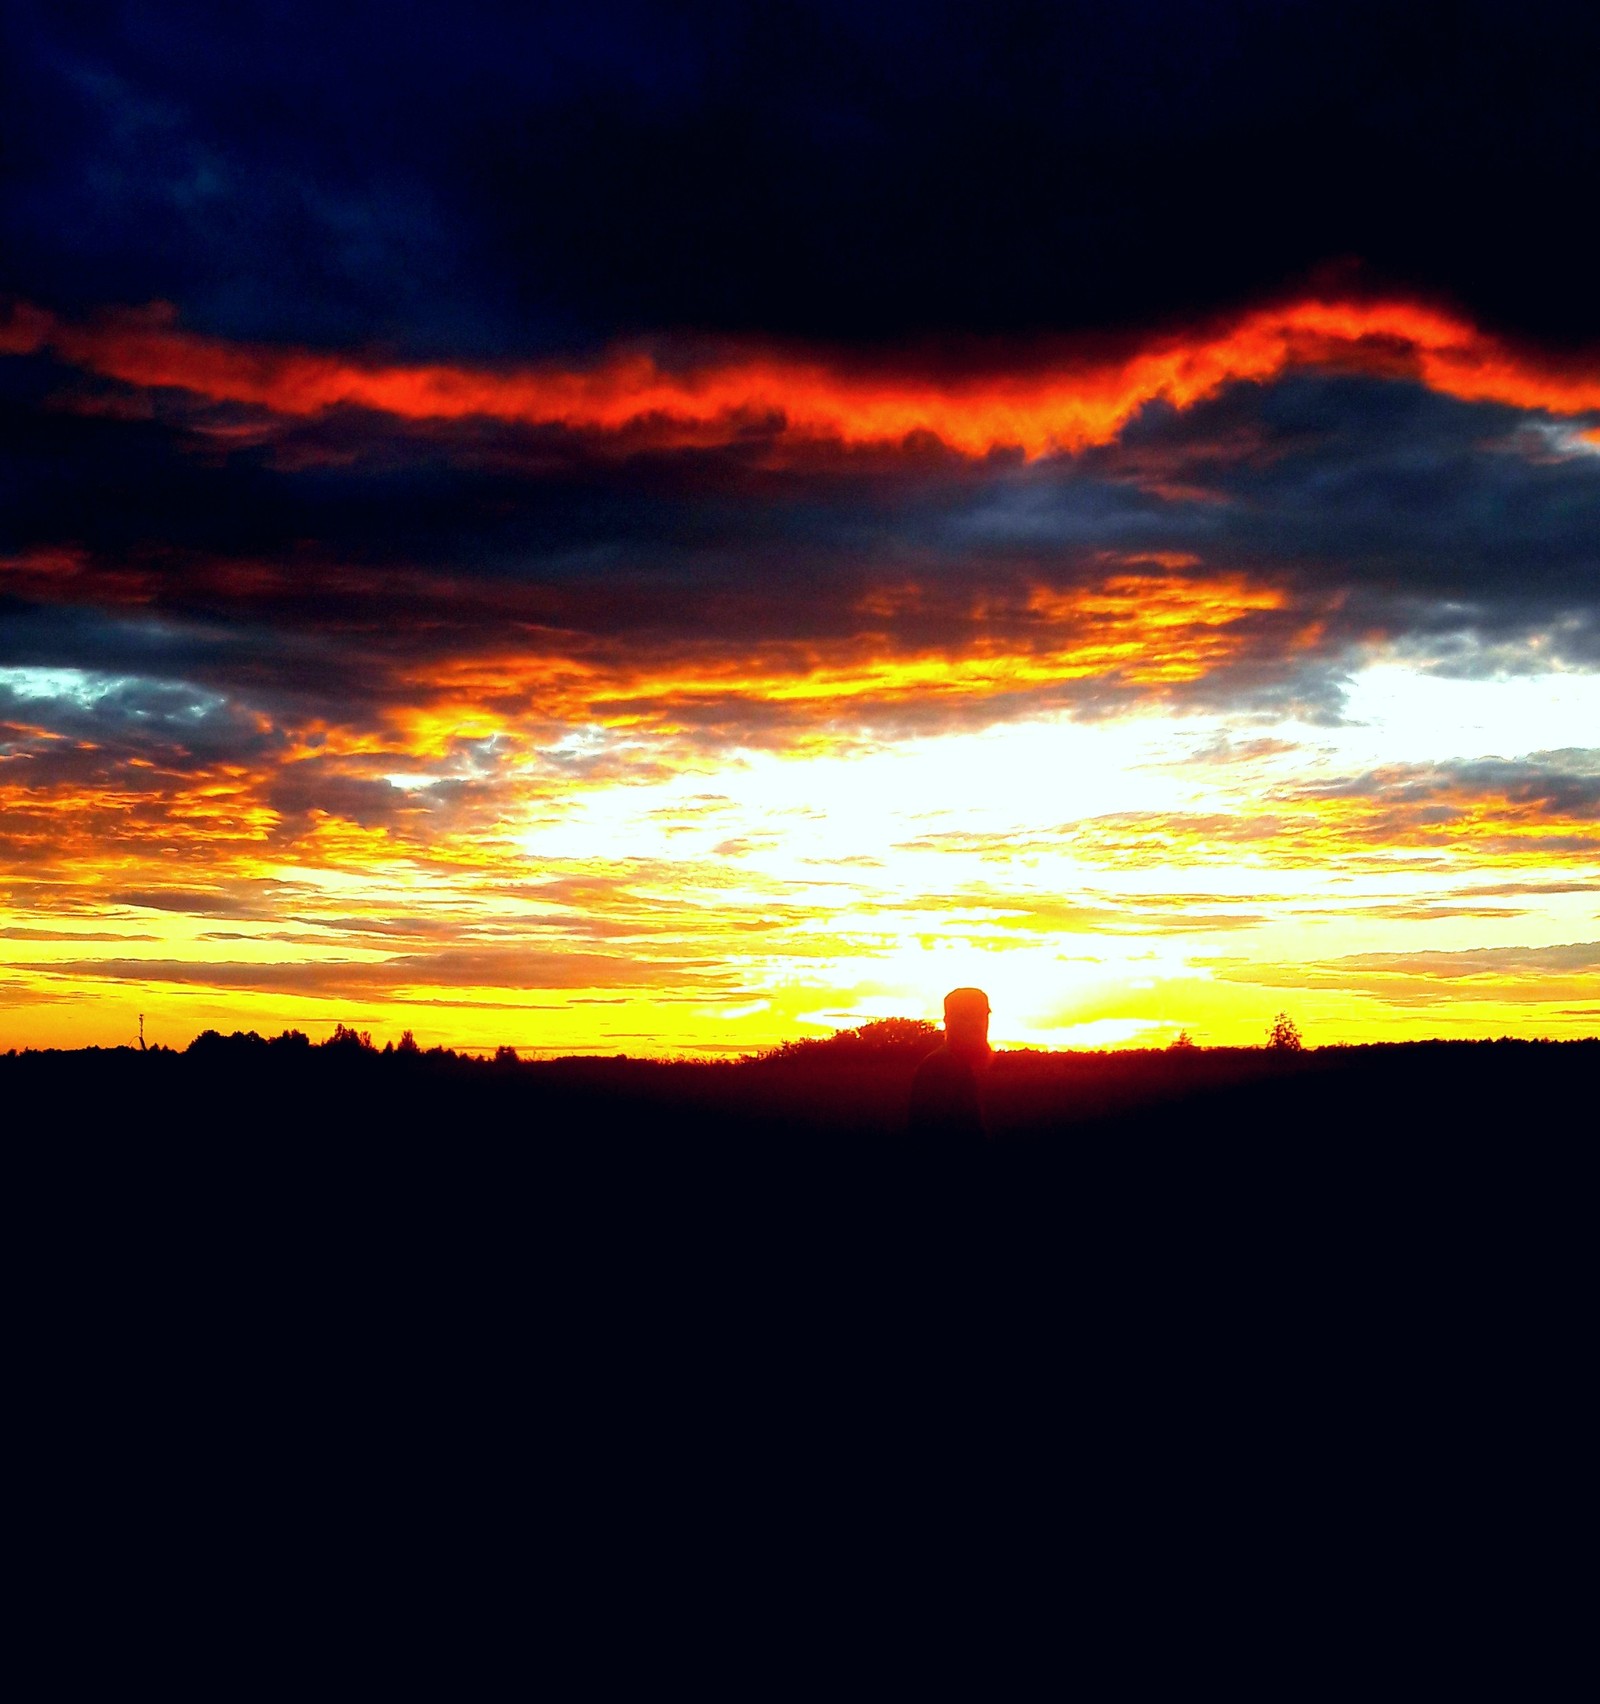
(947, 1092)
(966, 1022)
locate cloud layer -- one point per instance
(661, 515)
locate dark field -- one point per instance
(1328, 1312)
(226, 1089)
(1246, 1143)
(1210, 1220)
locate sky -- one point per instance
(665, 528)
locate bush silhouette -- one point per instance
(1285, 1034)
(886, 1038)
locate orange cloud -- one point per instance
(1154, 632)
(78, 819)
(1055, 404)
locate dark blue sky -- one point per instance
(930, 186)
(459, 180)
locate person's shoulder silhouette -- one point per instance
(947, 1090)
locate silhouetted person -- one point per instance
(947, 1091)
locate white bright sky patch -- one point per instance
(1562, 438)
(1084, 873)
(1101, 1032)
(1408, 715)
(86, 688)
(928, 864)
(76, 685)
(801, 817)
(864, 804)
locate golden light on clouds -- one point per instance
(730, 900)
(1121, 784)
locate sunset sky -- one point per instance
(665, 528)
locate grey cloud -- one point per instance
(1572, 956)
(22, 934)
(1514, 975)
(243, 900)
(1560, 783)
(508, 968)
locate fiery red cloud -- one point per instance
(1054, 404)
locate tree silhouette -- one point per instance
(885, 1038)
(1285, 1034)
(1182, 1042)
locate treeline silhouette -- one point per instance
(852, 1085)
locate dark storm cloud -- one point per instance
(1432, 519)
(486, 177)
(214, 594)
(1378, 479)
(1362, 480)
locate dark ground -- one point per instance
(1047, 1104)
(1436, 1137)
(1213, 1357)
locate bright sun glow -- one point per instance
(1108, 882)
